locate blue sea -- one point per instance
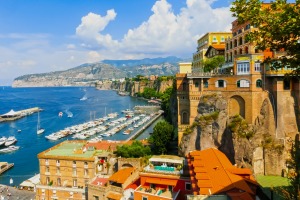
(52, 100)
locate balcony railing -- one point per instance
(162, 170)
(199, 74)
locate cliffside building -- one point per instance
(248, 86)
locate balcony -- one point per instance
(280, 72)
(199, 75)
(158, 192)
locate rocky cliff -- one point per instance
(256, 146)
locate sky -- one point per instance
(39, 36)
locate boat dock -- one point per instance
(138, 132)
(4, 166)
(14, 115)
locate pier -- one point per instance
(139, 131)
(15, 115)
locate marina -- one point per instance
(75, 113)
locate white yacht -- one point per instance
(2, 140)
(10, 140)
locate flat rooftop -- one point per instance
(71, 149)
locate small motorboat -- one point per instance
(9, 149)
(60, 114)
(10, 140)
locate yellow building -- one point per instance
(185, 67)
(66, 169)
(211, 38)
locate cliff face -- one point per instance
(256, 146)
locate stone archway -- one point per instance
(126, 165)
(237, 106)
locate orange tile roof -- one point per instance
(114, 195)
(218, 46)
(99, 181)
(162, 181)
(215, 174)
(122, 175)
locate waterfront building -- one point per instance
(164, 178)
(212, 174)
(66, 169)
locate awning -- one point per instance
(114, 195)
(162, 181)
(31, 182)
(11, 113)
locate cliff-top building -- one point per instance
(246, 87)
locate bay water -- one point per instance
(52, 100)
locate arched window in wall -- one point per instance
(240, 41)
(241, 51)
(259, 83)
(246, 50)
(184, 117)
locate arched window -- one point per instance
(242, 83)
(184, 118)
(246, 50)
(259, 83)
(241, 51)
(241, 41)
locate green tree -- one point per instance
(213, 63)
(135, 150)
(161, 137)
(166, 102)
(278, 29)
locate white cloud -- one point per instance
(164, 33)
(90, 30)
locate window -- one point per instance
(74, 162)
(215, 39)
(184, 86)
(74, 172)
(54, 192)
(47, 162)
(222, 39)
(47, 180)
(170, 187)
(257, 67)
(184, 119)
(197, 84)
(243, 83)
(71, 194)
(144, 198)
(220, 84)
(286, 84)
(259, 83)
(47, 169)
(58, 181)
(74, 182)
(243, 68)
(152, 186)
(188, 186)
(86, 172)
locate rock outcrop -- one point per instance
(256, 146)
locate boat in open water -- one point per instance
(9, 149)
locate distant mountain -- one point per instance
(89, 73)
(145, 61)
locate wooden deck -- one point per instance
(4, 166)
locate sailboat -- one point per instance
(39, 130)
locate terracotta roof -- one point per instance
(99, 181)
(218, 46)
(122, 175)
(214, 173)
(114, 195)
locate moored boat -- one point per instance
(10, 140)
(9, 149)
(2, 140)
